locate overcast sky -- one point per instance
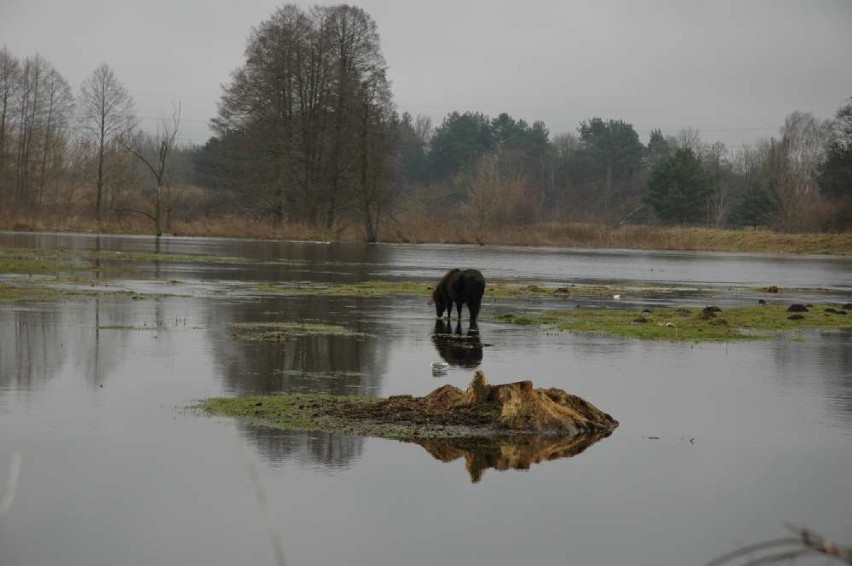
(733, 69)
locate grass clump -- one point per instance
(308, 412)
(27, 261)
(363, 289)
(494, 290)
(294, 411)
(687, 325)
(281, 331)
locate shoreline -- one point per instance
(428, 230)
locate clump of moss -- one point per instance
(495, 290)
(678, 324)
(25, 260)
(281, 331)
(363, 289)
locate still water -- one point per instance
(719, 445)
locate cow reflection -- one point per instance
(457, 349)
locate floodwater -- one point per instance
(719, 445)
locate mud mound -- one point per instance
(515, 407)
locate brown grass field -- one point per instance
(431, 229)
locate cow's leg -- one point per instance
(458, 311)
(473, 308)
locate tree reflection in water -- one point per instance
(517, 452)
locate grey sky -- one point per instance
(731, 68)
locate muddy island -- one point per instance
(482, 410)
(508, 426)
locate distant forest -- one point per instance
(307, 132)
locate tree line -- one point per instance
(82, 154)
(500, 170)
(307, 132)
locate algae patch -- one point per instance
(26, 261)
(281, 331)
(33, 292)
(493, 290)
(363, 289)
(687, 324)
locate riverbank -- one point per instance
(426, 229)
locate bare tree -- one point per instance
(304, 128)
(107, 117)
(43, 104)
(58, 105)
(719, 168)
(10, 77)
(801, 543)
(28, 110)
(157, 165)
(796, 168)
(483, 195)
(689, 138)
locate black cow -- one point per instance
(459, 287)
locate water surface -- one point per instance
(719, 444)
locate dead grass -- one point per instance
(433, 229)
(626, 237)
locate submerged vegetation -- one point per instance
(34, 275)
(280, 331)
(27, 260)
(688, 324)
(494, 290)
(30, 291)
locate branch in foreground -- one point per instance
(788, 548)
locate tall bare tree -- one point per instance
(10, 77)
(107, 117)
(304, 126)
(58, 107)
(719, 168)
(42, 110)
(157, 163)
(802, 151)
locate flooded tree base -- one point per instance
(508, 426)
(482, 410)
(514, 407)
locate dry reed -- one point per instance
(422, 228)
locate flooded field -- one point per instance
(719, 444)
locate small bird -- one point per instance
(616, 297)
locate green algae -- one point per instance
(34, 292)
(311, 412)
(363, 289)
(685, 325)
(23, 260)
(493, 290)
(281, 331)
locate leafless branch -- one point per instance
(805, 542)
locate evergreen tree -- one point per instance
(678, 188)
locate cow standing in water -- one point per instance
(459, 287)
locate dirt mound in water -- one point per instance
(510, 407)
